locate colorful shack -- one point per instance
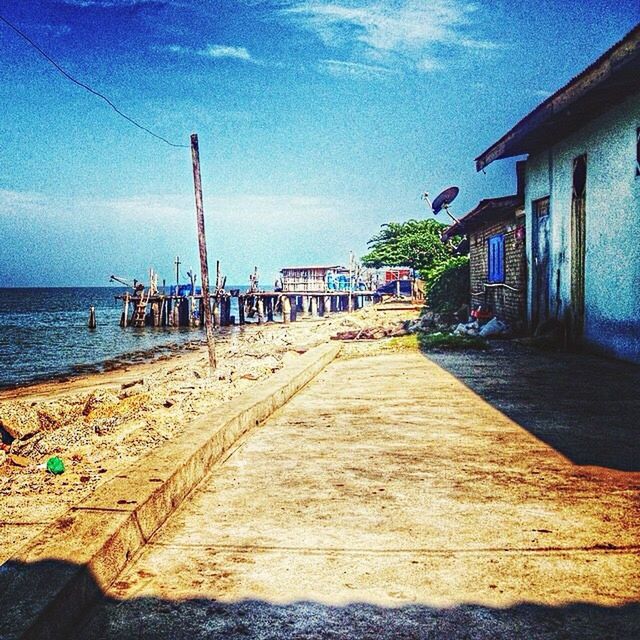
(311, 278)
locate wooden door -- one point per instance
(578, 244)
(541, 261)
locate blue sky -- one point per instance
(318, 120)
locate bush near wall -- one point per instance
(447, 285)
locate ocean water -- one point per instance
(44, 334)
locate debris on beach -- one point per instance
(20, 461)
(55, 466)
(19, 419)
(132, 383)
(372, 333)
(99, 401)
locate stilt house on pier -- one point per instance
(310, 279)
(582, 202)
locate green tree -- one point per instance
(415, 244)
(447, 284)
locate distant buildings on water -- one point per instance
(319, 278)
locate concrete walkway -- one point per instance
(387, 500)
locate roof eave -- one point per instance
(622, 62)
(487, 207)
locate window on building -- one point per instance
(495, 258)
(541, 207)
(637, 152)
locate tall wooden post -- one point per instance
(260, 306)
(177, 263)
(92, 317)
(125, 310)
(286, 309)
(240, 309)
(202, 246)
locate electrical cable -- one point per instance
(86, 87)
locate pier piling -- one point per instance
(92, 318)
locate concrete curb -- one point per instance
(46, 588)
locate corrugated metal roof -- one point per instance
(610, 78)
(484, 208)
(310, 268)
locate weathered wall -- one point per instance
(612, 263)
(506, 303)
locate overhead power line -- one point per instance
(86, 87)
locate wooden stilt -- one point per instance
(269, 304)
(286, 309)
(125, 310)
(260, 306)
(155, 314)
(241, 319)
(314, 306)
(92, 317)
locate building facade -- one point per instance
(310, 279)
(497, 261)
(582, 203)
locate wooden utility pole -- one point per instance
(177, 263)
(202, 246)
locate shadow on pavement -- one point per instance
(192, 619)
(586, 407)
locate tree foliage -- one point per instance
(415, 244)
(447, 284)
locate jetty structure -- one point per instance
(300, 292)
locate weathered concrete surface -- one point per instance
(585, 407)
(46, 587)
(387, 500)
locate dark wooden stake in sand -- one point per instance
(202, 246)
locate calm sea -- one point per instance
(44, 334)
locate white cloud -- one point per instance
(214, 51)
(110, 4)
(286, 209)
(353, 69)
(13, 202)
(402, 33)
(428, 64)
(224, 51)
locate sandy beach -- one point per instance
(100, 424)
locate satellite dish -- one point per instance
(444, 199)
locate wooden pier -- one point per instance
(143, 309)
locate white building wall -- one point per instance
(612, 262)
